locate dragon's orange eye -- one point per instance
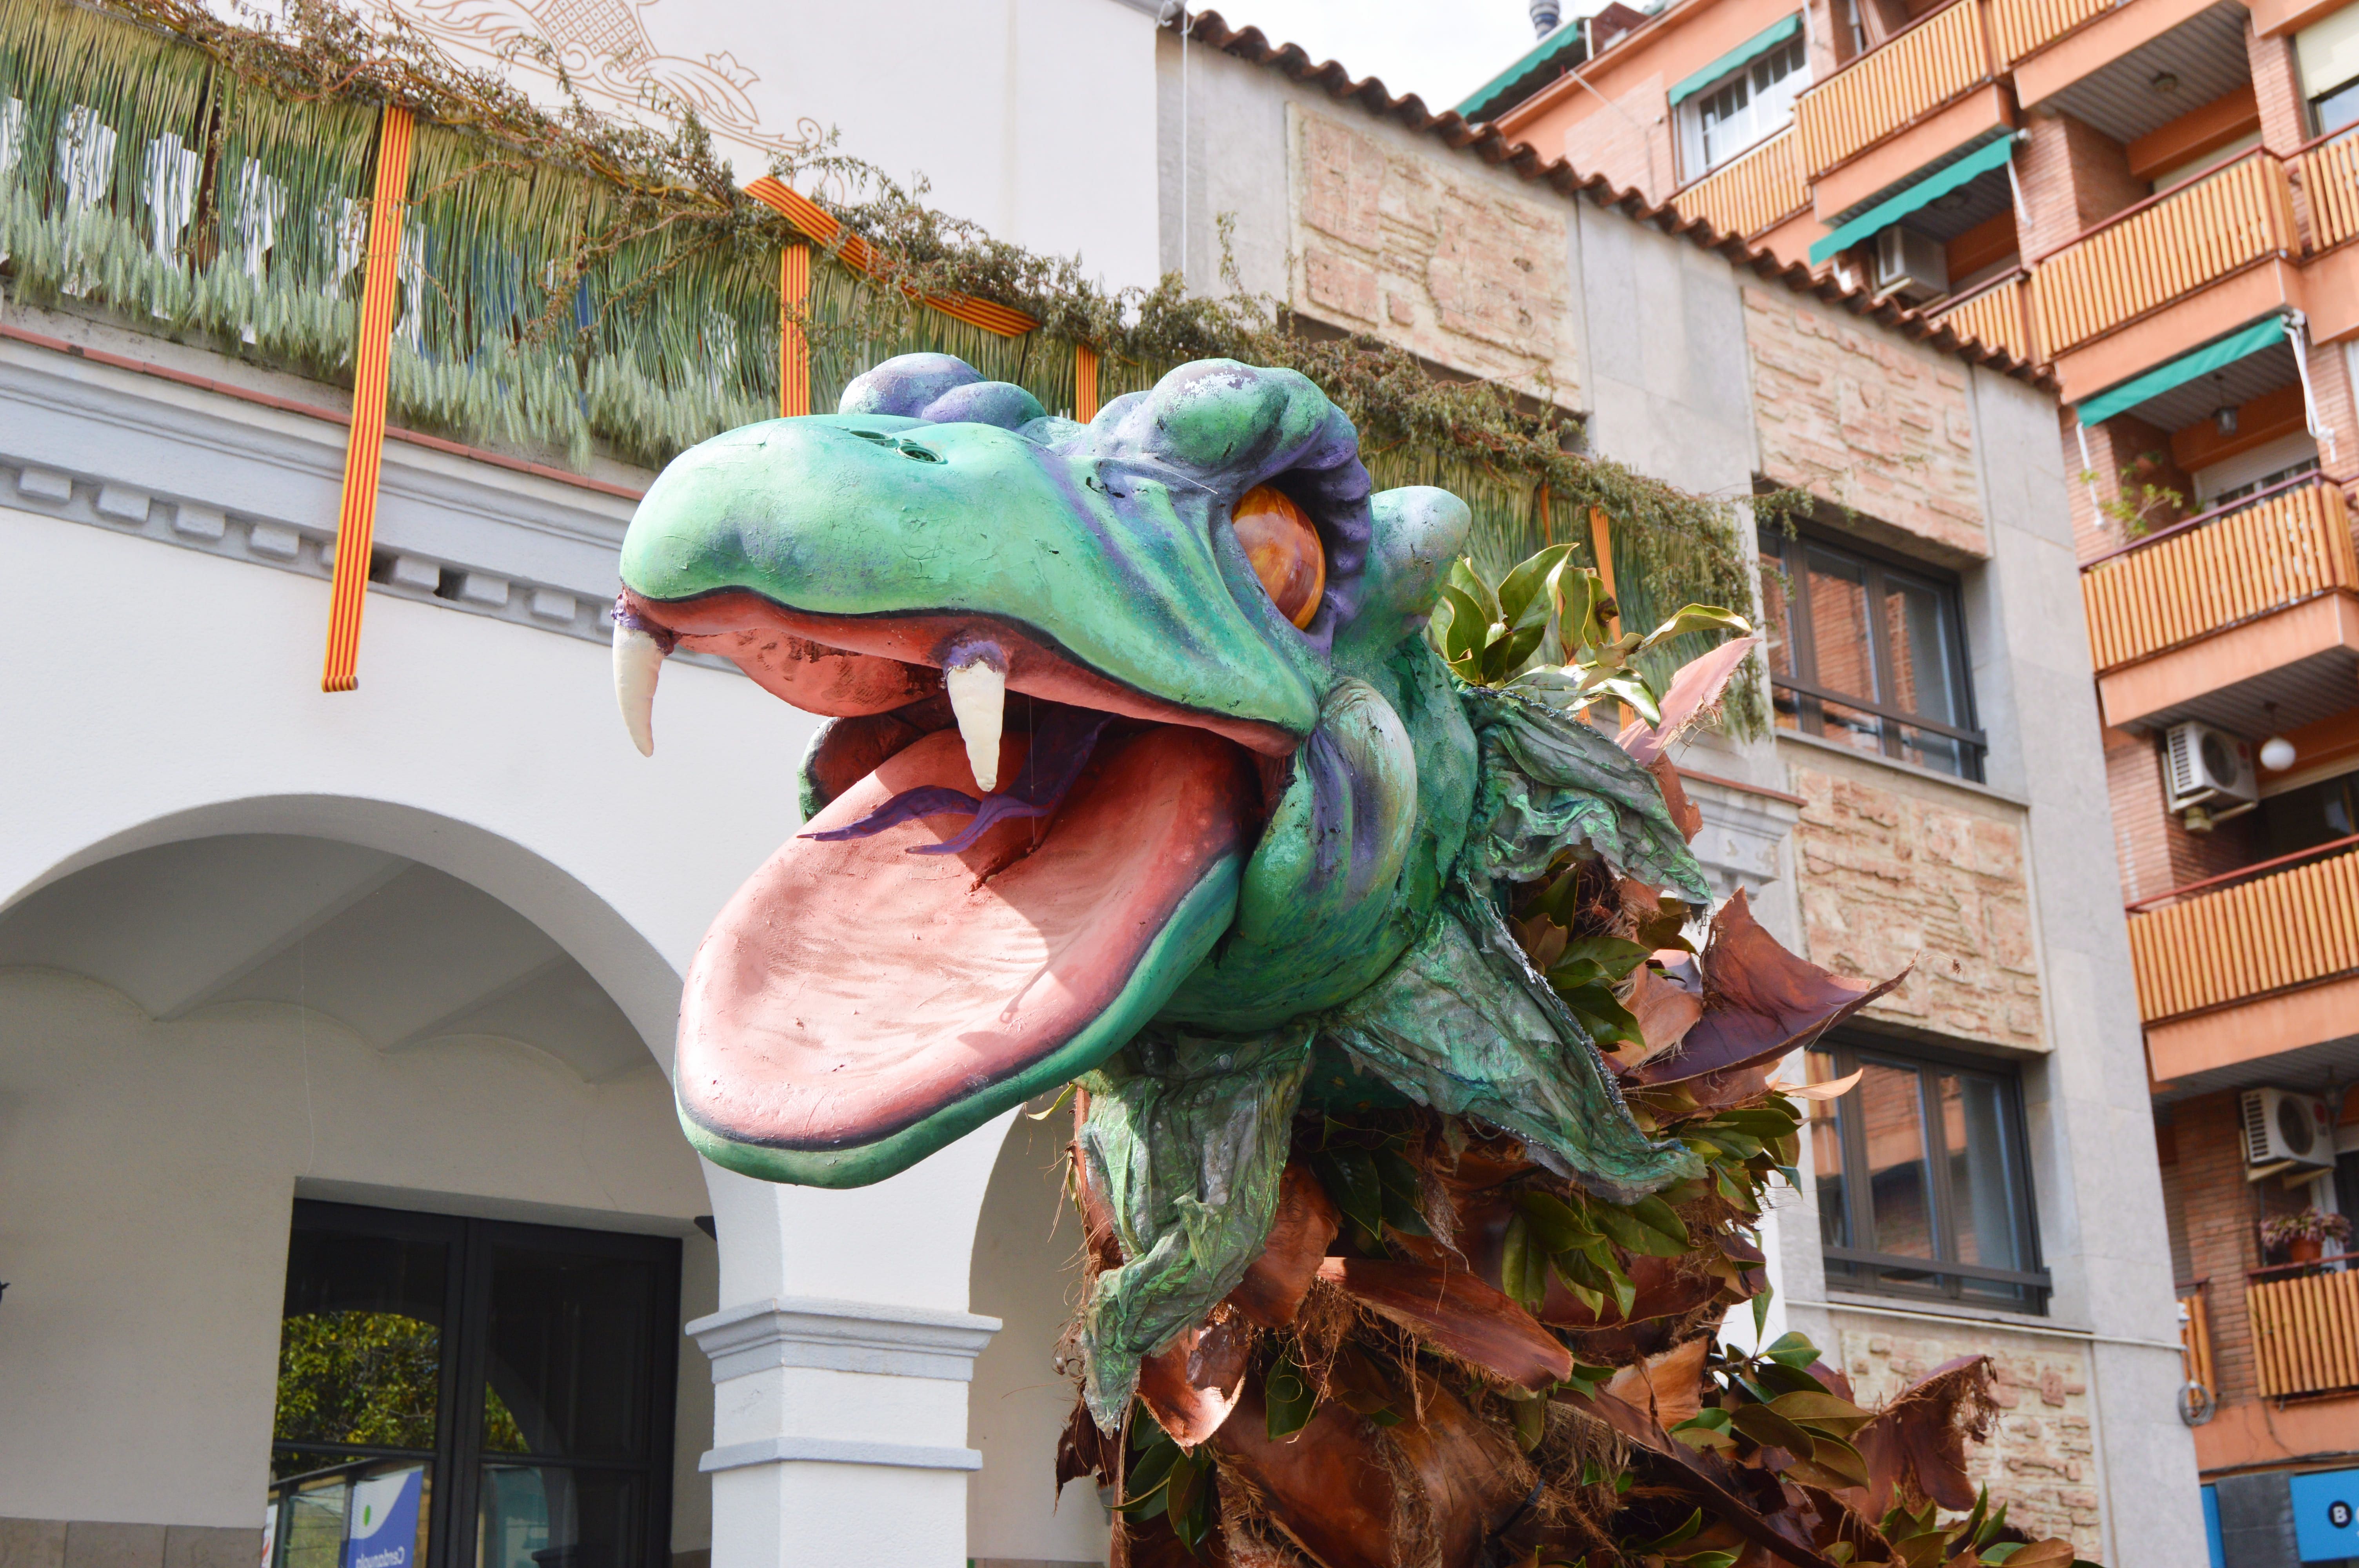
(1284, 547)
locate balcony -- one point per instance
(2020, 26)
(1752, 193)
(2161, 251)
(2291, 927)
(2305, 1319)
(2217, 571)
(2330, 177)
(1997, 316)
(1936, 62)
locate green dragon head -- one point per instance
(1132, 729)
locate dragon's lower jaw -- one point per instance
(857, 1006)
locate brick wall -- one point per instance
(1891, 877)
(2157, 853)
(2218, 1211)
(2073, 176)
(2039, 1459)
(2276, 87)
(1434, 257)
(1851, 414)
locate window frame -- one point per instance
(1779, 550)
(1689, 112)
(1946, 1276)
(454, 1467)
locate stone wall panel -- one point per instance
(1447, 263)
(1863, 420)
(1895, 876)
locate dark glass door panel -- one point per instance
(550, 1516)
(569, 1369)
(562, 1340)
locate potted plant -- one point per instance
(2303, 1236)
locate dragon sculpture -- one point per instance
(1417, 1152)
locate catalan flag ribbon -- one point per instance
(855, 253)
(794, 349)
(372, 361)
(1085, 382)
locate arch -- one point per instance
(638, 978)
(1027, 1273)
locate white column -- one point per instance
(840, 1432)
(840, 1359)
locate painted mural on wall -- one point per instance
(1419, 1153)
(609, 50)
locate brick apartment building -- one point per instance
(2156, 199)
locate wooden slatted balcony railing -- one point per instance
(2276, 931)
(2195, 1338)
(2330, 177)
(2020, 26)
(1999, 317)
(1893, 85)
(1751, 192)
(2305, 1330)
(2213, 571)
(2161, 249)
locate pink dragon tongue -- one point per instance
(852, 992)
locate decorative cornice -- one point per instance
(837, 1451)
(89, 442)
(842, 1336)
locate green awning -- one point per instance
(1885, 213)
(2261, 334)
(1745, 53)
(1551, 50)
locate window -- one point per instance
(1868, 654)
(2310, 816)
(457, 1393)
(1921, 1184)
(1742, 108)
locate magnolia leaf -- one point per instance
(1463, 635)
(1698, 617)
(1468, 581)
(1523, 1266)
(1793, 1349)
(1576, 593)
(1770, 1429)
(1525, 593)
(1556, 1224)
(1657, 1215)
(1288, 1395)
(1692, 1524)
(1820, 1412)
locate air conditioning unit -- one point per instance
(1910, 265)
(2201, 764)
(2282, 1127)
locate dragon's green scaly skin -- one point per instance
(1364, 954)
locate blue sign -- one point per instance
(2326, 1515)
(380, 1529)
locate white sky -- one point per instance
(1439, 49)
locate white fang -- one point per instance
(638, 660)
(979, 697)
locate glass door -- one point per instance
(560, 1345)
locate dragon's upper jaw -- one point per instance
(856, 1005)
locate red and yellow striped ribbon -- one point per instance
(372, 361)
(794, 349)
(1085, 382)
(812, 219)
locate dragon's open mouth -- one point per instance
(891, 978)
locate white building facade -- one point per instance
(290, 979)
